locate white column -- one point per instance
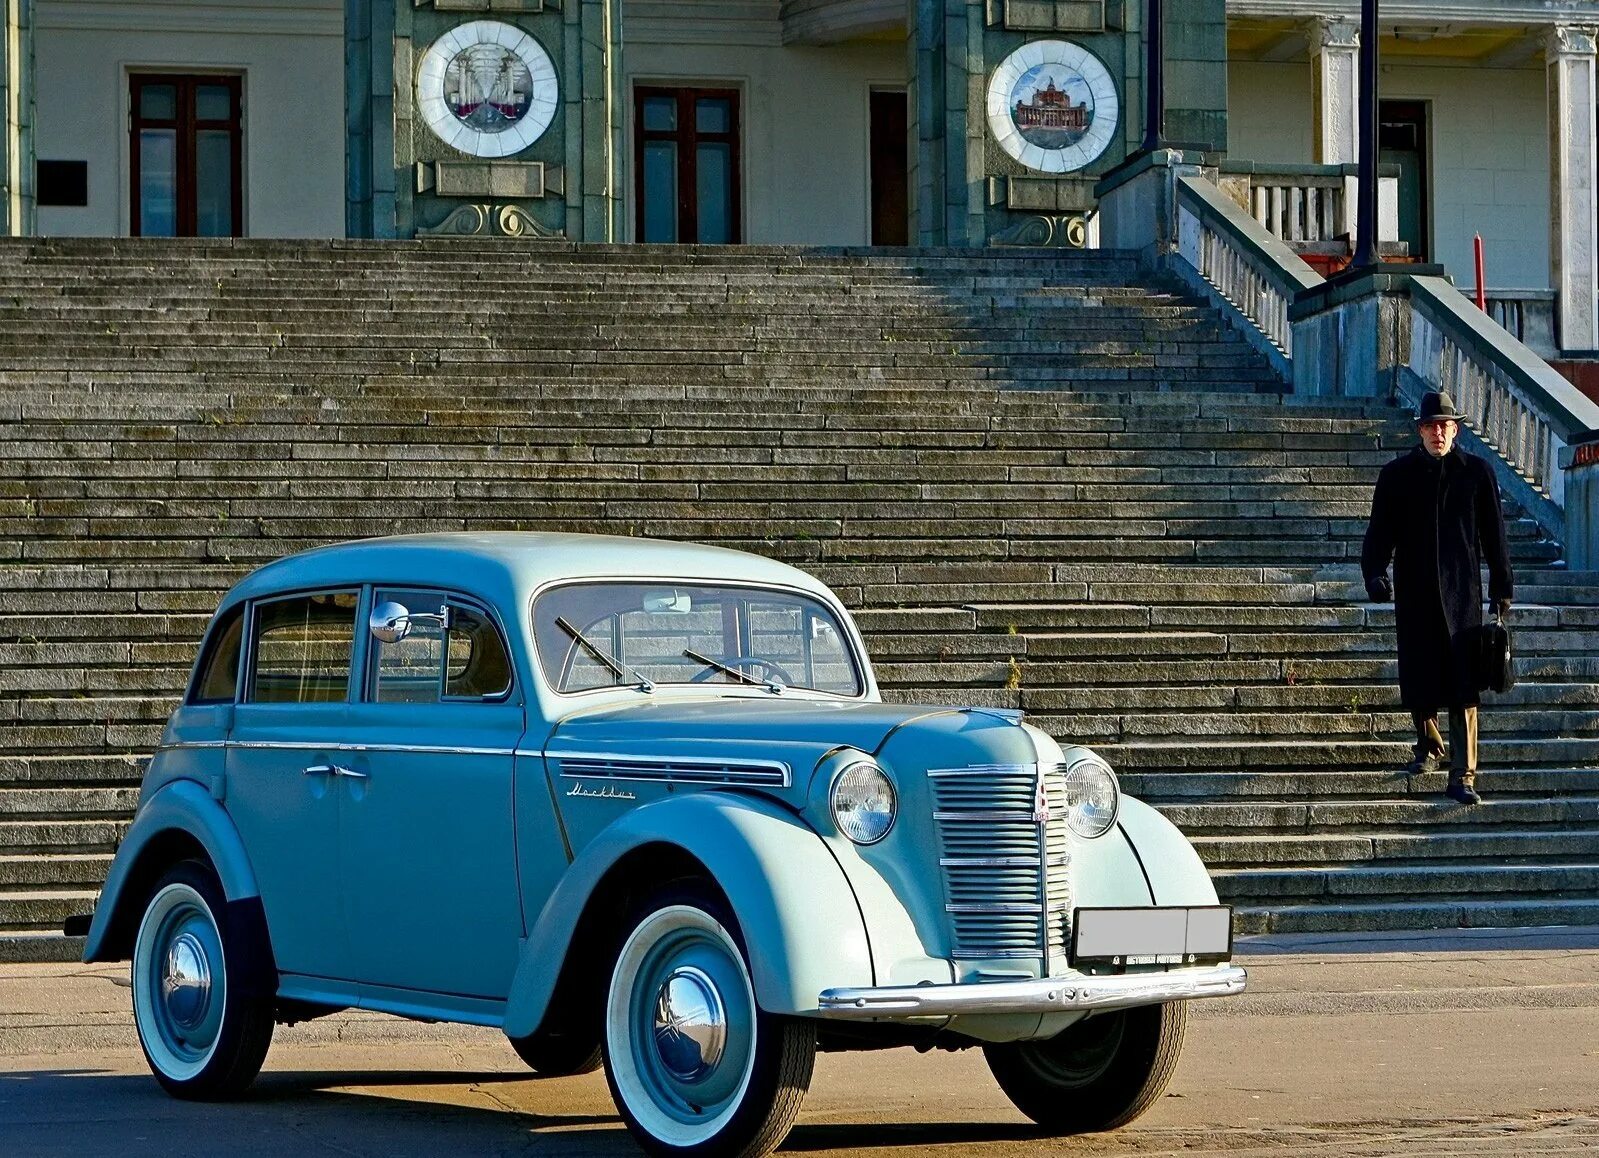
(1573, 255)
(1335, 90)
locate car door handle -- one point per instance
(334, 770)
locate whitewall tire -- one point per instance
(200, 1004)
(697, 1069)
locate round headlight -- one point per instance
(862, 800)
(1092, 796)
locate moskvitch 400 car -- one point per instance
(637, 804)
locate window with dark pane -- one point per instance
(686, 165)
(217, 674)
(186, 144)
(477, 664)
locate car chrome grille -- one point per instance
(1006, 876)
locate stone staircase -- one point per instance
(1039, 481)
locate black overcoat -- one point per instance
(1439, 520)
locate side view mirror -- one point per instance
(391, 622)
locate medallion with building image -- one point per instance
(1052, 106)
(487, 88)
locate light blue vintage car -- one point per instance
(638, 802)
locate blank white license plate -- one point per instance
(1158, 936)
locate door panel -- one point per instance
(431, 898)
(289, 820)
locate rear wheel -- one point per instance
(697, 1069)
(202, 1008)
(1099, 1073)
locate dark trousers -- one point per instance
(1462, 740)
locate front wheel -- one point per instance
(202, 1006)
(697, 1069)
(558, 1055)
(1099, 1073)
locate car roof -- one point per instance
(500, 564)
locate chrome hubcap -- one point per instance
(186, 981)
(179, 982)
(690, 1024)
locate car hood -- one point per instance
(798, 732)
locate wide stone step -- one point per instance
(1491, 843)
(42, 910)
(1269, 754)
(1348, 817)
(58, 835)
(1315, 786)
(44, 946)
(53, 871)
(1396, 914)
(1469, 880)
(61, 803)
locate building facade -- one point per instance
(816, 122)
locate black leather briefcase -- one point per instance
(1491, 655)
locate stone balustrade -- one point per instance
(1310, 207)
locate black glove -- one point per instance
(1379, 590)
(1502, 606)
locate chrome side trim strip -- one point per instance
(1045, 995)
(677, 769)
(305, 746)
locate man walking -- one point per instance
(1436, 514)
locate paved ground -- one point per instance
(1473, 1043)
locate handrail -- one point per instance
(1252, 271)
(1513, 400)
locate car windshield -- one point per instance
(682, 633)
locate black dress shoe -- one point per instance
(1422, 765)
(1463, 792)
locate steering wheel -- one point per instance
(740, 661)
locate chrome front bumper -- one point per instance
(1046, 995)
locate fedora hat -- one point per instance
(1437, 406)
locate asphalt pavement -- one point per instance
(1476, 1042)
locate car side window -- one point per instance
(216, 678)
(478, 667)
(467, 660)
(301, 649)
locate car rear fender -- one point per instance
(800, 921)
(180, 818)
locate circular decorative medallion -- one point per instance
(1052, 105)
(487, 88)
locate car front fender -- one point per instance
(181, 813)
(802, 926)
(1175, 873)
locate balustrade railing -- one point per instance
(1251, 270)
(1310, 207)
(1514, 401)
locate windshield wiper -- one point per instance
(771, 685)
(618, 668)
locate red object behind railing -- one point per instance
(1482, 292)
